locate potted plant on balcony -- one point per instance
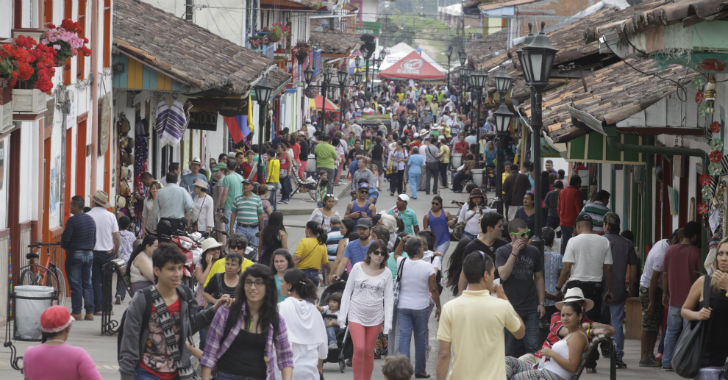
(301, 51)
(66, 40)
(32, 73)
(276, 33)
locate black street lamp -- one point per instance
(324, 88)
(308, 76)
(449, 55)
(341, 75)
(536, 62)
(503, 117)
(263, 90)
(357, 78)
(478, 80)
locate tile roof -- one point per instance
(481, 49)
(609, 95)
(498, 4)
(188, 52)
(334, 42)
(660, 13)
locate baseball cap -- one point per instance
(403, 197)
(248, 181)
(364, 223)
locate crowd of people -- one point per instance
(366, 282)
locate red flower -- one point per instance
(699, 96)
(704, 179)
(715, 156)
(702, 208)
(715, 127)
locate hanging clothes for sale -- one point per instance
(170, 122)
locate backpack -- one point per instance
(185, 294)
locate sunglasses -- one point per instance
(521, 234)
(237, 246)
(379, 252)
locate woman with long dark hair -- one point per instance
(311, 252)
(274, 236)
(149, 216)
(324, 214)
(141, 270)
(305, 325)
(243, 337)
(438, 221)
(455, 265)
(281, 262)
(347, 229)
(367, 304)
(398, 162)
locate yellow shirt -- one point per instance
(219, 267)
(274, 171)
(473, 323)
(445, 151)
(312, 254)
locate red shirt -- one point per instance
(570, 204)
(461, 147)
(682, 268)
(554, 329)
(296, 152)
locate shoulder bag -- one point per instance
(689, 347)
(398, 282)
(457, 231)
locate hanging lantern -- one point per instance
(715, 156)
(715, 127)
(704, 179)
(702, 208)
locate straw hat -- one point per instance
(576, 295)
(210, 243)
(101, 199)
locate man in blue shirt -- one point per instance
(78, 239)
(173, 202)
(356, 251)
(188, 181)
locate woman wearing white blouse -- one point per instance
(367, 302)
(471, 213)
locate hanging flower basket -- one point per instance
(301, 51)
(66, 40)
(276, 33)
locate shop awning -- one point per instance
(592, 147)
(319, 100)
(414, 67)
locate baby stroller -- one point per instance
(345, 348)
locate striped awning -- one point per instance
(592, 147)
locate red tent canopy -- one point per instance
(330, 106)
(414, 67)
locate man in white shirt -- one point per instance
(202, 217)
(586, 262)
(310, 129)
(107, 243)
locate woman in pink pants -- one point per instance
(367, 302)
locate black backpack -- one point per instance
(184, 292)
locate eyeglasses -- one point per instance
(364, 191)
(521, 234)
(256, 283)
(379, 252)
(237, 246)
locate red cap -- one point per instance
(55, 319)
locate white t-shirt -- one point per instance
(654, 262)
(368, 300)
(414, 289)
(106, 226)
(589, 253)
(436, 261)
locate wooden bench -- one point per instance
(593, 348)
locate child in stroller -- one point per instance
(340, 347)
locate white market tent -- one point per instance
(401, 50)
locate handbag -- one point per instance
(689, 347)
(457, 231)
(398, 282)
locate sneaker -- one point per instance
(118, 300)
(284, 201)
(333, 346)
(658, 358)
(668, 369)
(620, 364)
(89, 317)
(650, 362)
(591, 370)
(78, 317)
(97, 313)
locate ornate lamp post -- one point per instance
(375, 65)
(341, 75)
(503, 117)
(449, 55)
(357, 78)
(263, 90)
(478, 80)
(537, 59)
(462, 57)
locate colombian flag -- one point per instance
(240, 126)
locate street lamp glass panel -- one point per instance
(341, 76)
(479, 79)
(357, 77)
(327, 76)
(263, 90)
(503, 117)
(382, 54)
(525, 67)
(503, 81)
(539, 58)
(308, 75)
(462, 56)
(449, 52)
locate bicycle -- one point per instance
(44, 275)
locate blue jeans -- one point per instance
(414, 179)
(530, 343)
(312, 274)
(228, 214)
(675, 324)
(331, 332)
(468, 235)
(82, 292)
(331, 174)
(141, 374)
(249, 233)
(616, 312)
(409, 321)
(100, 258)
(442, 248)
(229, 376)
(273, 196)
(286, 188)
(566, 233)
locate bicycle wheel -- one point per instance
(28, 277)
(59, 284)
